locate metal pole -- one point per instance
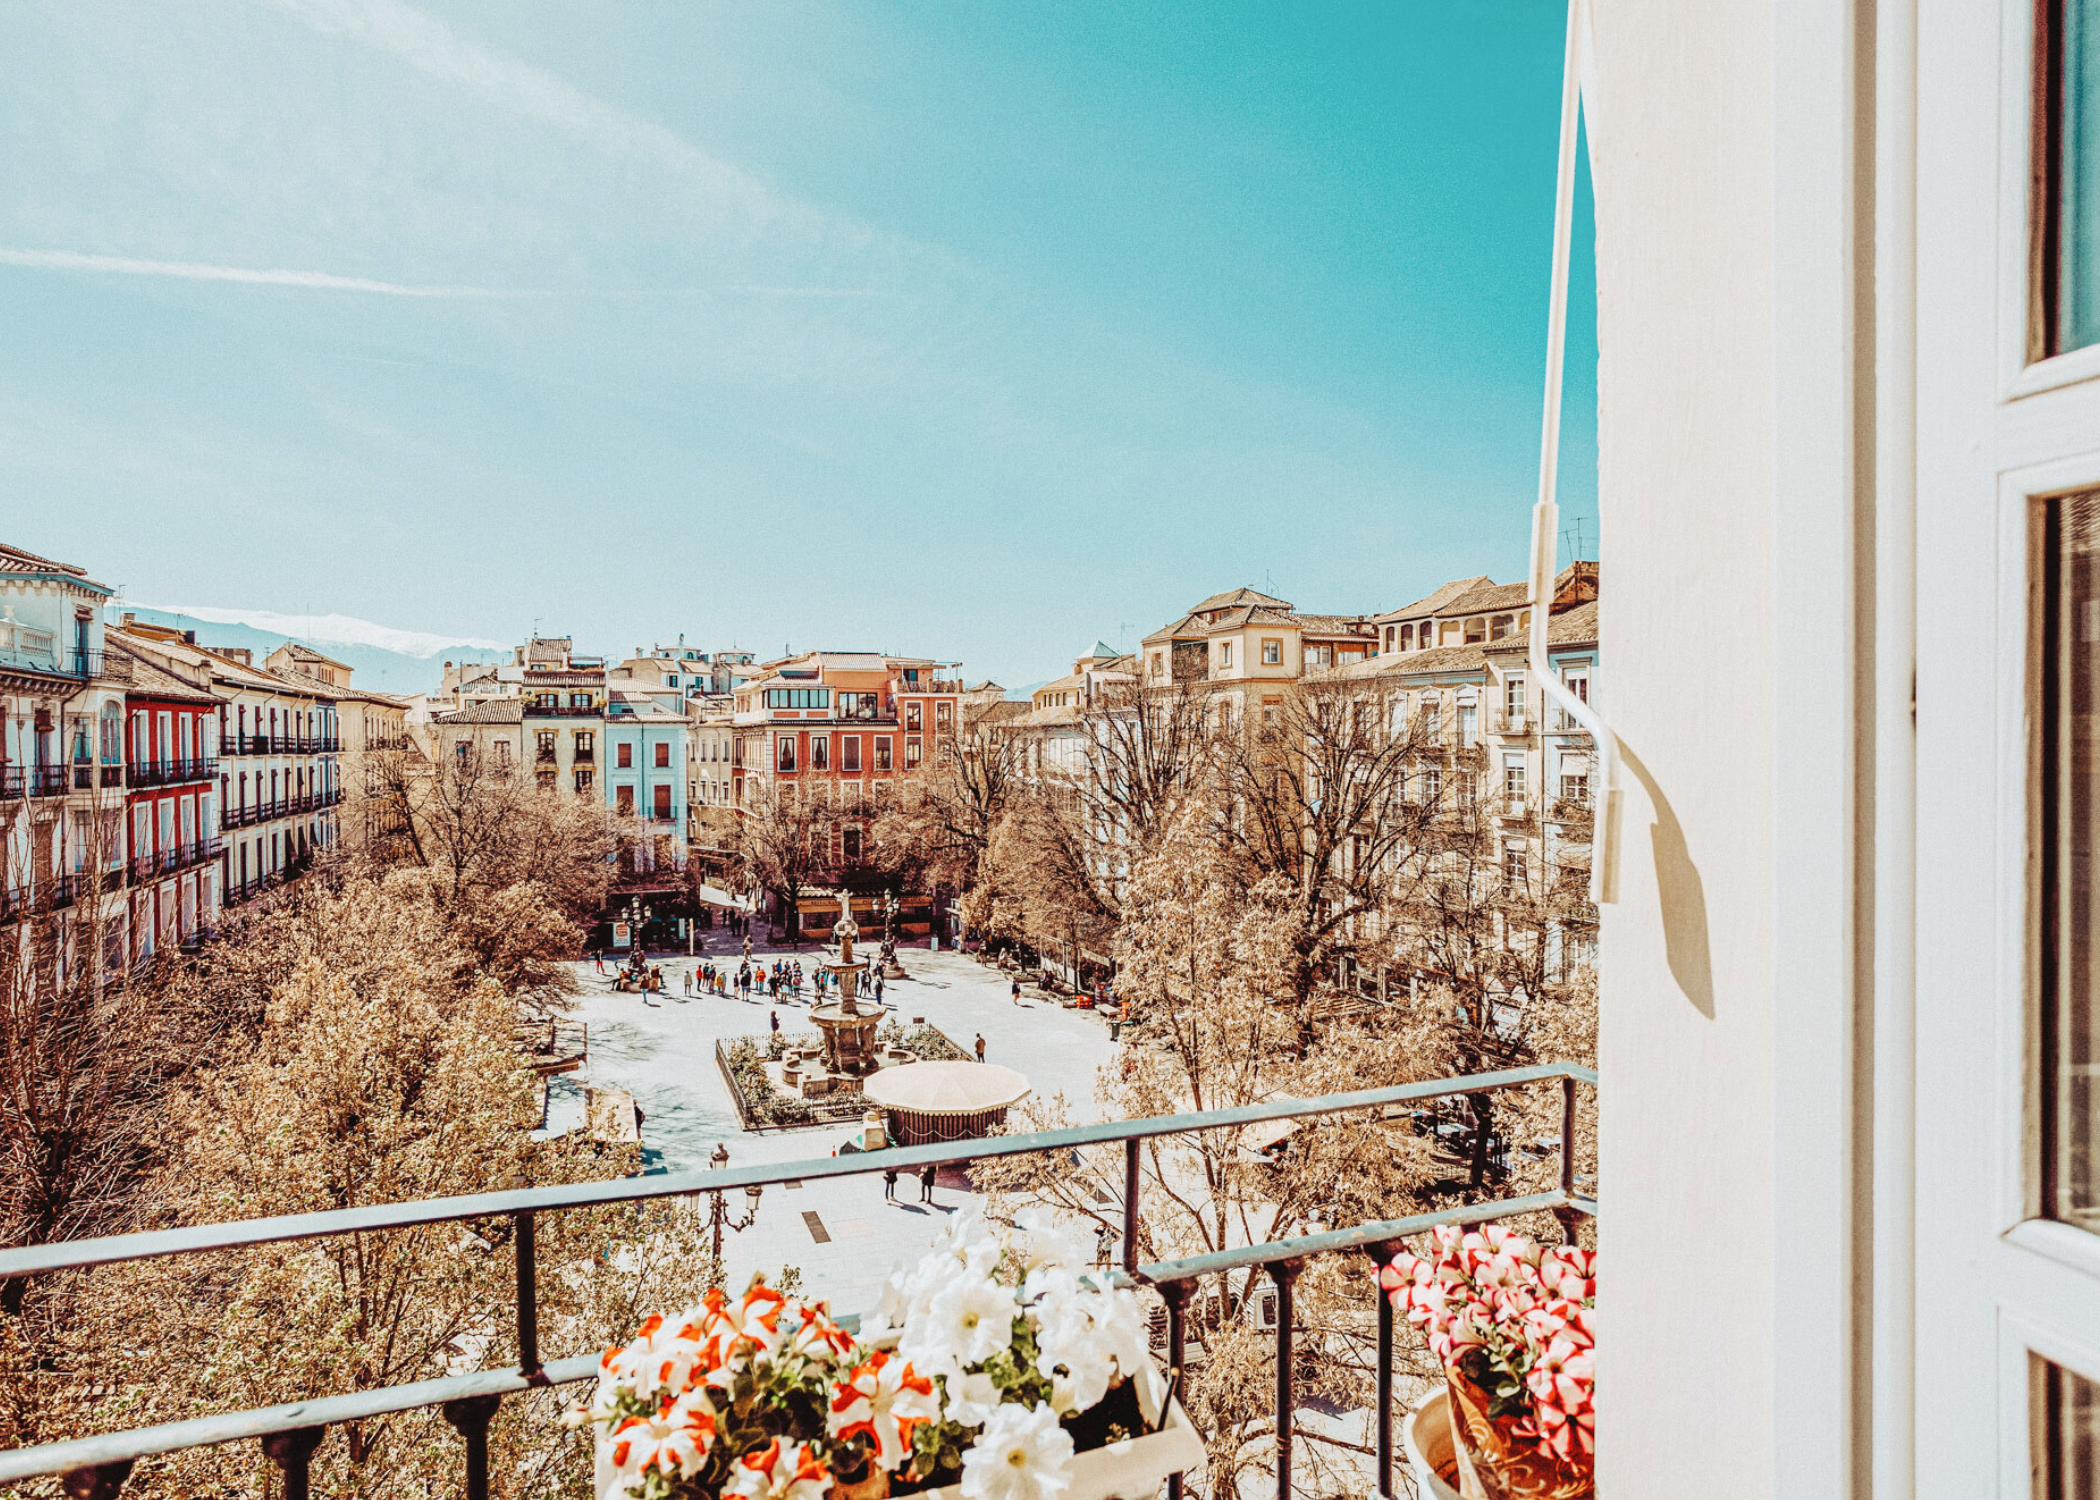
(1382, 1255)
(1177, 1295)
(1130, 1205)
(528, 1301)
(1285, 1272)
(470, 1417)
(1568, 1215)
(292, 1452)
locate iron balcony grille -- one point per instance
(172, 772)
(291, 1432)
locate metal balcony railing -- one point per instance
(172, 772)
(290, 1433)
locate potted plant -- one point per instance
(1511, 1321)
(992, 1369)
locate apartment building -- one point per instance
(681, 668)
(1052, 727)
(171, 817)
(1243, 641)
(484, 738)
(61, 743)
(841, 725)
(647, 737)
(279, 781)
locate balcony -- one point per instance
(100, 1465)
(181, 857)
(172, 772)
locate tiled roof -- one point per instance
(1002, 712)
(1436, 659)
(1185, 628)
(1434, 603)
(150, 680)
(1239, 599)
(1494, 596)
(1574, 627)
(1334, 625)
(303, 652)
(490, 711)
(15, 560)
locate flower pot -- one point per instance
(1432, 1452)
(1133, 1467)
(1494, 1464)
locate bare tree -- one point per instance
(784, 840)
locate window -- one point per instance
(586, 745)
(911, 751)
(1432, 786)
(798, 697)
(820, 752)
(580, 700)
(1272, 650)
(912, 713)
(1575, 785)
(784, 753)
(1407, 637)
(1513, 780)
(852, 794)
(1319, 656)
(1225, 656)
(1389, 637)
(1476, 630)
(1498, 627)
(2066, 1457)
(462, 756)
(663, 753)
(1468, 725)
(858, 705)
(2070, 1125)
(662, 803)
(1513, 698)
(623, 755)
(1513, 872)
(543, 744)
(2065, 255)
(1432, 717)
(623, 801)
(882, 752)
(849, 752)
(944, 715)
(546, 700)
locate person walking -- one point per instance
(980, 1046)
(878, 986)
(926, 1183)
(598, 958)
(1017, 989)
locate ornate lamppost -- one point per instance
(718, 1213)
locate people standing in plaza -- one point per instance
(926, 1183)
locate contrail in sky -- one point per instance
(71, 260)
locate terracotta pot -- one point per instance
(1494, 1464)
(1432, 1447)
(876, 1486)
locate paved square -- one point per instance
(841, 1234)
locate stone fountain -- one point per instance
(848, 1026)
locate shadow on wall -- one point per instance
(1681, 895)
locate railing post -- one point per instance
(528, 1301)
(1177, 1295)
(1567, 1213)
(1286, 1274)
(1130, 1205)
(102, 1482)
(470, 1417)
(1382, 1254)
(292, 1452)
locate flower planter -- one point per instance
(1432, 1453)
(1133, 1467)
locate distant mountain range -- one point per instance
(380, 657)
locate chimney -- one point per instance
(189, 638)
(240, 654)
(130, 619)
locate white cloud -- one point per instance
(71, 260)
(325, 630)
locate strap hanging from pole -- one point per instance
(1545, 515)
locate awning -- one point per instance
(945, 1088)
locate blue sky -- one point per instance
(972, 330)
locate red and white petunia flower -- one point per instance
(882, 1399)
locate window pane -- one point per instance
(2077, 207)
(2066, 1434)
(2071, 1023)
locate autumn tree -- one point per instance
(784, 843)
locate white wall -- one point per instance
(1683, 155)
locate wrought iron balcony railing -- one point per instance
(291, 1432)
(172, 772)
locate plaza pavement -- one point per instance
(841, 1235)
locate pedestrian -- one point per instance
(689, 984)
(776, 1021)
(926, 1183)
(878, 986)
(889, 1185)
(980, 1046)
(1017, 989)
(598, 958)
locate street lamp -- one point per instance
(718, 1213)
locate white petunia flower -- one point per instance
(972, 1397)
(1050, 1242)
(1022, 1454)
(967, 1323)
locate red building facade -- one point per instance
(171, 820)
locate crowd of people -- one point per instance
(749, 979)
